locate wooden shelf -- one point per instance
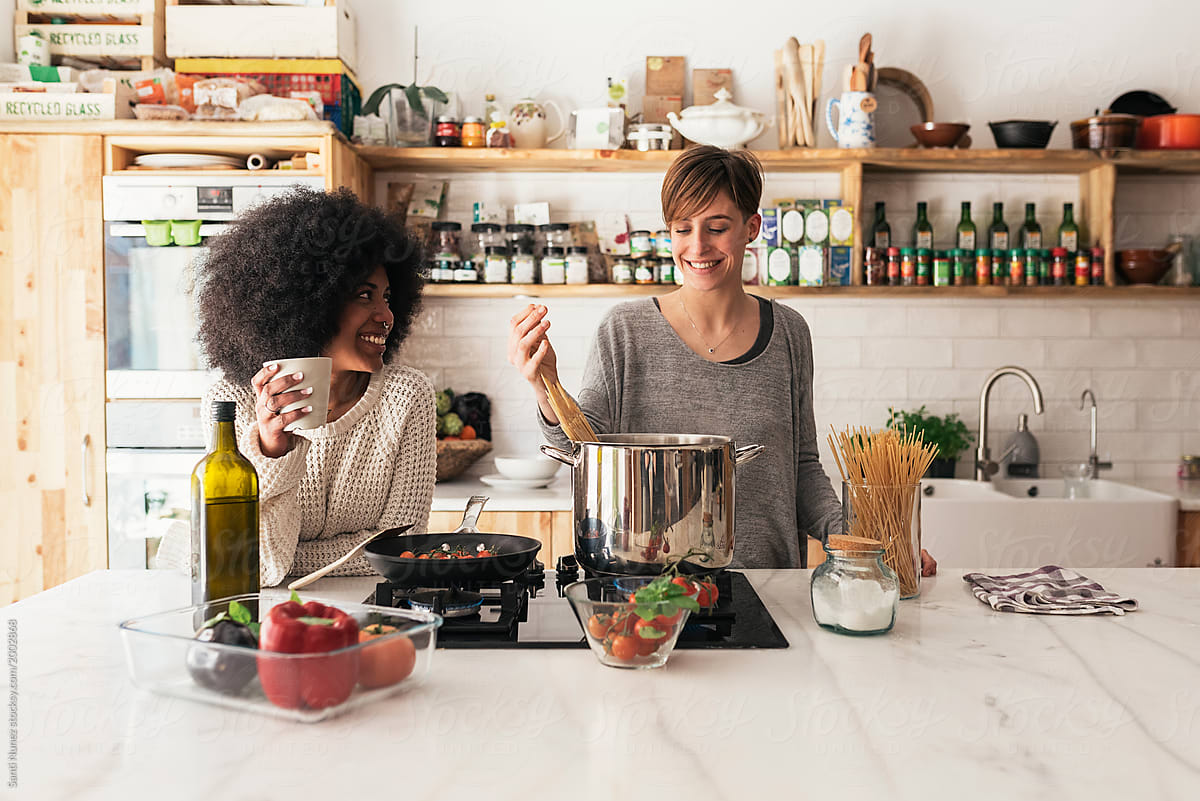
(1069, 162)
(1150, 292)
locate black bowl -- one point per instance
(1022, 133)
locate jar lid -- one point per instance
(445, 226)
(519, 228)
(1059, 253)
(907, 251)
(446, 118)
(639, 231)
(554, 227)
(473, 119)
(848, 544)
(484, 228)
(578, 249)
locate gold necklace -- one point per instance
(713, 349)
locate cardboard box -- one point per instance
(781, 266)
(768, 232)
(753, 262)
(839, 266)
(810, 266)
(665, 75)
(705, 84)
(841, 223)
(612, 231)
(791, 225)
(66, 106)
(816, 223)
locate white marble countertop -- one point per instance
(451, 496)
(957, 699)
(1187, 492)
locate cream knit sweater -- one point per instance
(369, 470)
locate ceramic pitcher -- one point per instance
(856, 119)
(527, 121)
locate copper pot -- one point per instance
(1105, 132)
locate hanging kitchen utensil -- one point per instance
(510, 556)
(574, 424)
(334, 565)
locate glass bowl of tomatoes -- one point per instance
(632, 622)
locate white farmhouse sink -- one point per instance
(999, 524)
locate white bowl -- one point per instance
(527, 467)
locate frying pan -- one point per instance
(513, 554)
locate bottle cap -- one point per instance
(224, 411)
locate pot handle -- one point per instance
(747, 452)
(559, 455)
(470, 519)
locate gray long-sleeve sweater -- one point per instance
(640, 377)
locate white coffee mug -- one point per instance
(316, 371)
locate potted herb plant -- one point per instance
(949, 434)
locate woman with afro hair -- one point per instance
(316, 274)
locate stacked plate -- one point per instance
(196, 161)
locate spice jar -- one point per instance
(554, 266)
(519, 235)
(1058, 266)
(665, 273)
(444, 267)
(495, 266)
(1083, 268)
(643, 270)
(853, 591)
(983, 266)
(1016, 267)
(893, 266)
(473, 132)
(1189, 468)
(999, 273)
(447, 238)
(963, 274)
(941, 268)
(555, 235)
(924, 266)
(908, 267)
(577, 265)
(640, 244)
(1097, 266)
(622, 271)
(662, 244)
(447, 133)
(874, 271)
(522, 267)
(1033, 267)
(467, 272)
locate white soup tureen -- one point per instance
(721, 124)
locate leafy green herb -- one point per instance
(236, 613)
(949, 433)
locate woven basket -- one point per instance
(456, 455)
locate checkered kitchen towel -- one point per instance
(1049, 590)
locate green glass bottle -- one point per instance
(1068, 231)
(224, 516)
(998, 230)
(922, 230)
(881, 234)
(965, 235)
(1031, 232)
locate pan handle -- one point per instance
(470, 521)
(747, 452)
(559, 455)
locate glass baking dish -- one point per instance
(157, 649)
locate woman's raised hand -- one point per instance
(274, 393)
(529, 349)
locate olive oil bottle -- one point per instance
(922, 229)
(1031, 232)
(224, 516)
(998, 230)
(881, 234)
(965, 233)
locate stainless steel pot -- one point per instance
(643, 500)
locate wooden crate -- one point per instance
(236, 31)
(124, 33)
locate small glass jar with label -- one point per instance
(447, 239)
(964, 268)
(447, 132)
(577, 264)
(893, 266)
(999, 267)
(520, 236)
(908, 267)
(665, 273)
(495, 266)
(1016, 267)
(444, 266)
(1083, 267)
(941, 268)
(555, 235)
(1058, 266)
(640, 244)
(1097, 266)
(473, 132)
(622, 271)
(924, 266)
(482, 237)
(662, 244)
(467, 272)
(522, 267)
(643, 270)
(853, 591)
(554, 266)
(1033, 266)
(874, 267)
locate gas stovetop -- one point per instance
(531, 611)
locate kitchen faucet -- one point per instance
(984, 466)
(1094, 462)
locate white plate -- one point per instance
(186, 160)
(500, 482)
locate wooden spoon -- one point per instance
(335, 564)
(574, 424)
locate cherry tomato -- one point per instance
(708, 594)
(407, 555)
(482, 554)
(643, 627)
(423, 556)
(599, 626)
(691, 589)
(666, 621)
(624, 647)
(645, 647)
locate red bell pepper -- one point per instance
(318, 682)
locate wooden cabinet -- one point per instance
(1187, 551)
(52, 321)
(552, 528)
(52, 482)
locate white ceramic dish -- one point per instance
(526, 467)
(500, 482)
(186, 160)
